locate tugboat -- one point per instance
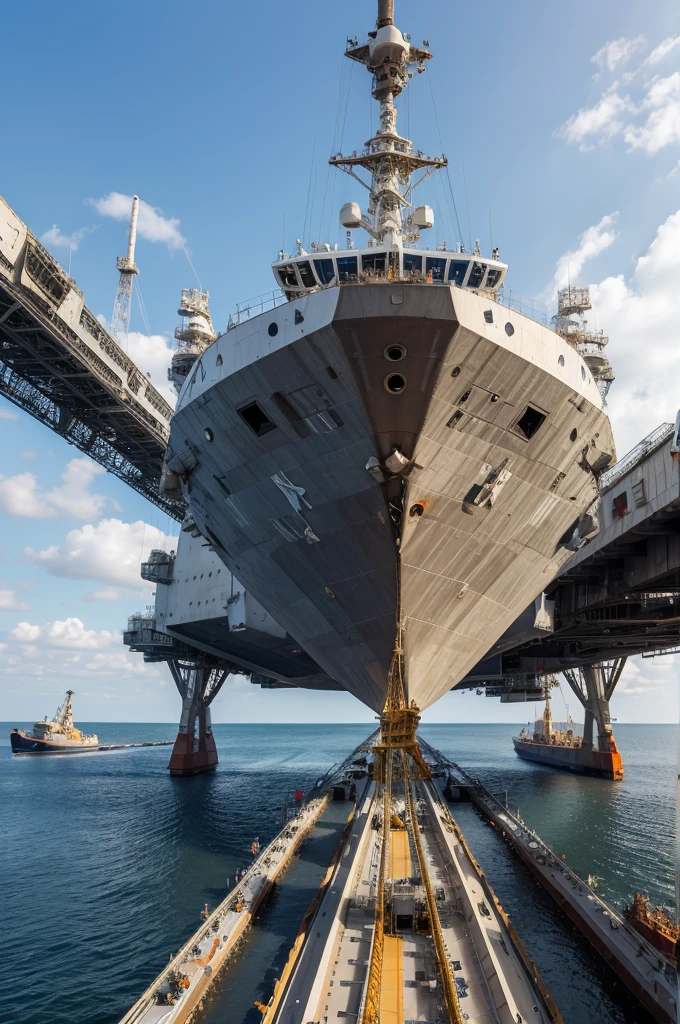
(566, 750)
(651, 922)
(56, 736)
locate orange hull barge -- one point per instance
(606, 764)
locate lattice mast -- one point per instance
(193, 335)
(120, 320)
(398, 721)
(390, 159)
(64, 715)
(575, 302)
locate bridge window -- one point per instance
(529, 422)
(437, 266)
(413, 264)
(325, 270)
(256, 418)
(307, 274)
(347, 267)
(374, 262)
(620, 505)
(476, 275)
(287, 275)
(493, 277)
(457, 271)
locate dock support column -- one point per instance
(594, 686)
(194, 750)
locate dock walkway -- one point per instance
(650, 977)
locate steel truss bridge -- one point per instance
(58, 363)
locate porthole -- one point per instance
(218, 361)
(395, 383)
(395, 352)
(488, 316)
(561, 360)
(509, 329)
(573, 435)
(583, 372)
(208, 434)
(273, 330)
(455, 371)
(494, 398)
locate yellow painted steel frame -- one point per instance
(443, 965)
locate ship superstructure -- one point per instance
(392, 447)
(57, 735)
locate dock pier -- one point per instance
(644, 971)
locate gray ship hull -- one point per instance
(281, 437)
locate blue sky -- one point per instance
(562, 131)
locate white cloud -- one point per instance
(662, 50)
(647, 118)
(591, 243)
(28, 455)
(153, 354)
(22, 495)
(9, 600)
(108, 594)
(24, 633)
(119, 664)
(152, 223)
(640, 317)
(66, 649)
(7, 414)
(661, 126)
(603, 120)
(617, 52)
(69, 633)
(643, 676)
(110, 552)
(56, 238)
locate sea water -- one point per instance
(106, 861)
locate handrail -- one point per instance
(253, 307)
(641, 450)
(525, 306)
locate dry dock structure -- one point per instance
(176, 994)
(645, 972)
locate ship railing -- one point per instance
(641, 450)
(525, 306)
(253, 307)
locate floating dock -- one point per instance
(176, 995)
(442, 928)
(644, 971)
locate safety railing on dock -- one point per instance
(641, 450)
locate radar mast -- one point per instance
(390, 158)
